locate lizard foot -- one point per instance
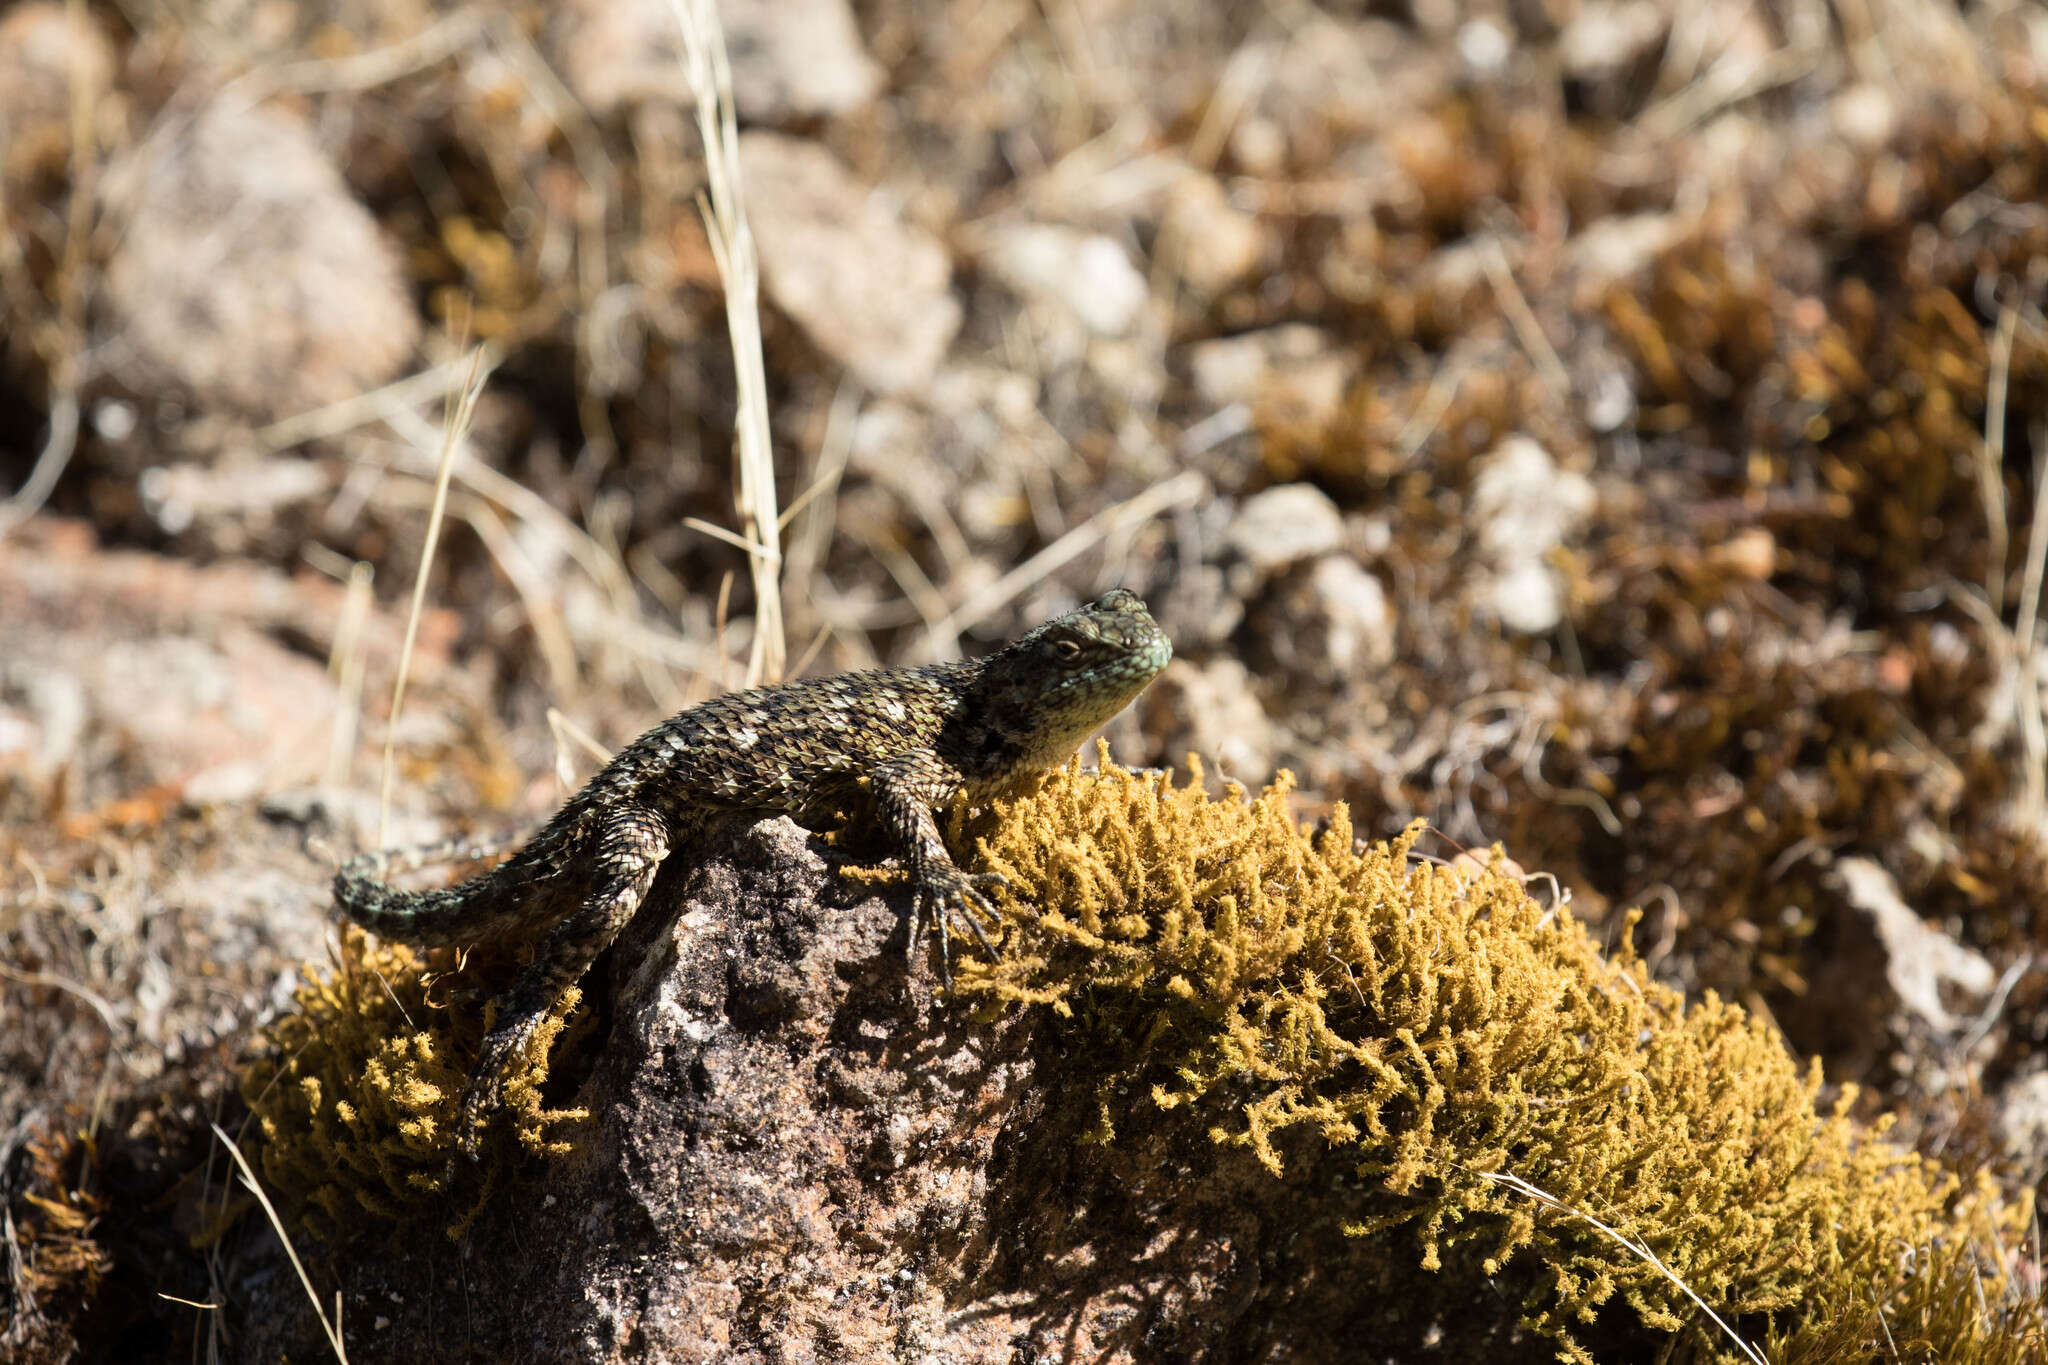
(961, 895)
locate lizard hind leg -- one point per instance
(629, 850)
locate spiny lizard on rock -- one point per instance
(881, 749)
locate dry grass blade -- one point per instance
(732, 246)
(362, 70)
(2034, 774)
(1991, 465)
(332, 1329)
(460, 413)
(1633, 1247)
(1523, 318)
(1184, 487)
(345, 665)
(374, 406)
(566, 733)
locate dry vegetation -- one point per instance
(1610, 430)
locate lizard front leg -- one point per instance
(629, 849)
(904, 791)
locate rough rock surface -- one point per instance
(792, 1156)
(248, 276)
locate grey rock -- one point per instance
(1285, 525)
(797, 1153)
(247, 275)
(871, 290)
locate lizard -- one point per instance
(884, 748)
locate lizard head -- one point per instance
(1047, 691)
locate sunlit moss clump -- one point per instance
(1300, 993)
(356, 1094)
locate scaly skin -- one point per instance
(881, 749)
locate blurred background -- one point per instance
(1607, 429)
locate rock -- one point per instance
(1523, 507)
(1339, 623)
(1921, 962)
(1083, 276)
(1893, 990)
(132, 672)
(1525, 597)
(872, 291)
(1865, 115)
(1210, 709)
(1219, 243)
(791, 59)
(797, 1152)
(2022, 1125)
(235, 490)
(247, 275)
(1285, 525)
(1484, 46)
(41, 50)
(1610, 250)
(1291, 374)
(1606, 40)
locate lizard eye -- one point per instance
(1068, 649)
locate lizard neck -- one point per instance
(1009, 727)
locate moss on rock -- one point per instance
(1469, 1047)
(357, 1093)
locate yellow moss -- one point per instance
(1445, 1030)
(357, 1093)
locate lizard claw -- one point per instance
(965, 899)
(973, 904)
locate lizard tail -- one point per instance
(470, 910)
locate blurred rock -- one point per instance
(41, 51)
(124, 671)
(241, 492)
(791, 59)
(1609, 250)
(1084, 276)
(220, 717)
(1284, 526)
(1525, 596)
(1750, 553)
(1219, 243)
(1865, 115)
(1199, 608)
(1607, 44)
(246, 275)
(1924, 967)
(1484, 46)
(1292, 373)
(1338, 622)
(1337, 83)
(2022, 1125)
(1523, 507)
(1210, 709)
(872, 291)
(1894, 990)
